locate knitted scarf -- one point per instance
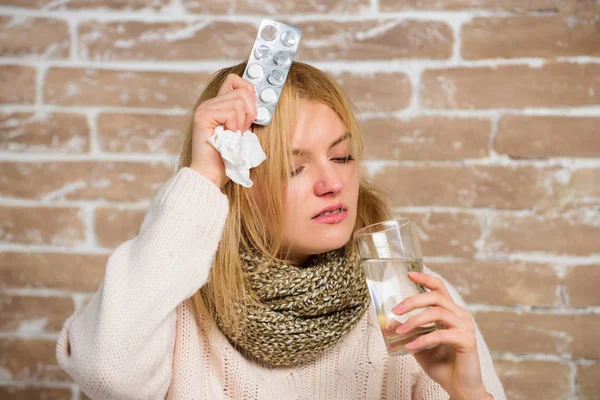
(302, 311)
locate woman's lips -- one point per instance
(331, 218)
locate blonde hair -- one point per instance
(256, 214)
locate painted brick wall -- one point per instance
(482, 123)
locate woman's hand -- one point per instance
(235, 108)
(454, 363)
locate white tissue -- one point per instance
(240, 152)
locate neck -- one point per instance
(293, 257)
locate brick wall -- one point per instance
(481, 119)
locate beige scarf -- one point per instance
(302, 311)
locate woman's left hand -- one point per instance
(454, 362)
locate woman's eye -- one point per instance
(341, 160)
(344, 160)
(297, 171)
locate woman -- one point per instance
(228, 292)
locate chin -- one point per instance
(321, 238)
(331, 241)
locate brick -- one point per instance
(59, 226)
(426, 138)
(59, 271)
(565, 335)
(44, 38)
(375, 92)
(30, 359)
(273, 7)
(587, 380)
(434, 238)
(17, 84)
(562, 6)
(532, 379)
(122, 5)
(375, 40)
(521, 136)
(140, 133)
(502, 283)
(77, 180)
(514, 86)
(115, 226)
(581, 285)
(25, 391)
(465, 186)
(96, 87)
(32, 314)
(538, 36)
(38, 132)
(570, 233)
(585, 186)
(166, 40)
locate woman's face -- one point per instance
(324, 180)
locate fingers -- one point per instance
(434, 314)
(235, 103)
(430, 282)
(215, 117)
(429, 299)
(245, 104)
(440, 308)
(233, 82)
(462, 340)
(239, 100)
(392, 325)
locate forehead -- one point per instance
(315, 123)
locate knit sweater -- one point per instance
(137, 338)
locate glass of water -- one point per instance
(389, 250)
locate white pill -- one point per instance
(262, 114)
(255, 71)
(269, 95)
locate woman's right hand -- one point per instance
(235, 108)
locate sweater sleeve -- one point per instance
(427, 389)
(120, 345)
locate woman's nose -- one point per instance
(328, 182)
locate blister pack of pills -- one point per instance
(269, 63)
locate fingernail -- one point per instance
(402, 328)
(398, 308)
(411, 345)
(413, 273)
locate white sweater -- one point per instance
(137, 338)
